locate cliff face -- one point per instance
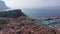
(11, 13)
(3, 6)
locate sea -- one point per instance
(42, 13)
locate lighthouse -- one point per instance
(3, 5)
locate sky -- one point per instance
(31, 3)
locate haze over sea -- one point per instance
(42, 13)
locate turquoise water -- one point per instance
(42, 13)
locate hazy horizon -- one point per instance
(31, 3)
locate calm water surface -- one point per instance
(42, 13)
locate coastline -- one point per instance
(26, 25)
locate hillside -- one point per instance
(25, 25)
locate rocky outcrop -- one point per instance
(11, 13)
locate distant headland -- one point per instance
(3, 5)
